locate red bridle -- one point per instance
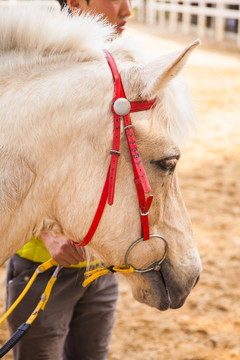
(122, 108)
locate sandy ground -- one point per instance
(208, 325)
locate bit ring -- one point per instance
(156, 265)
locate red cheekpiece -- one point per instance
(141, 181)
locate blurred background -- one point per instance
(208, 325)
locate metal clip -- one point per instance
(127, 127)
(144, 214)
(115, 152)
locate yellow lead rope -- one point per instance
(92, 275)
(40, 269)
(45, 296)
(24, 328)
(95, 273)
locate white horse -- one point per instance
(56, 92)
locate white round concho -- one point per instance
(122, 107)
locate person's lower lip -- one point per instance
(121, 27)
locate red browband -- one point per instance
(141, 181)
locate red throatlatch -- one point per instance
(122, 108)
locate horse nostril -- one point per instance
(196, 281)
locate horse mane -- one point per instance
(42, 33)
(47, 32)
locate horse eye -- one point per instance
(166, 164)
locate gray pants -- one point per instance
(76, 323)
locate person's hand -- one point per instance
(61, 249)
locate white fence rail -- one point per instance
(219, 19)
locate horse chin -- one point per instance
(160, 289)
(154, 291)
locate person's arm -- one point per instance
(61, 249)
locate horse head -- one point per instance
(65, 157)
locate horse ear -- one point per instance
(16, 178)
(160, 71)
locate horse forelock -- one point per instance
(174, 114)
(52, 32)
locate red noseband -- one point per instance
(122, 108)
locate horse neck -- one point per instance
(50, 119)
